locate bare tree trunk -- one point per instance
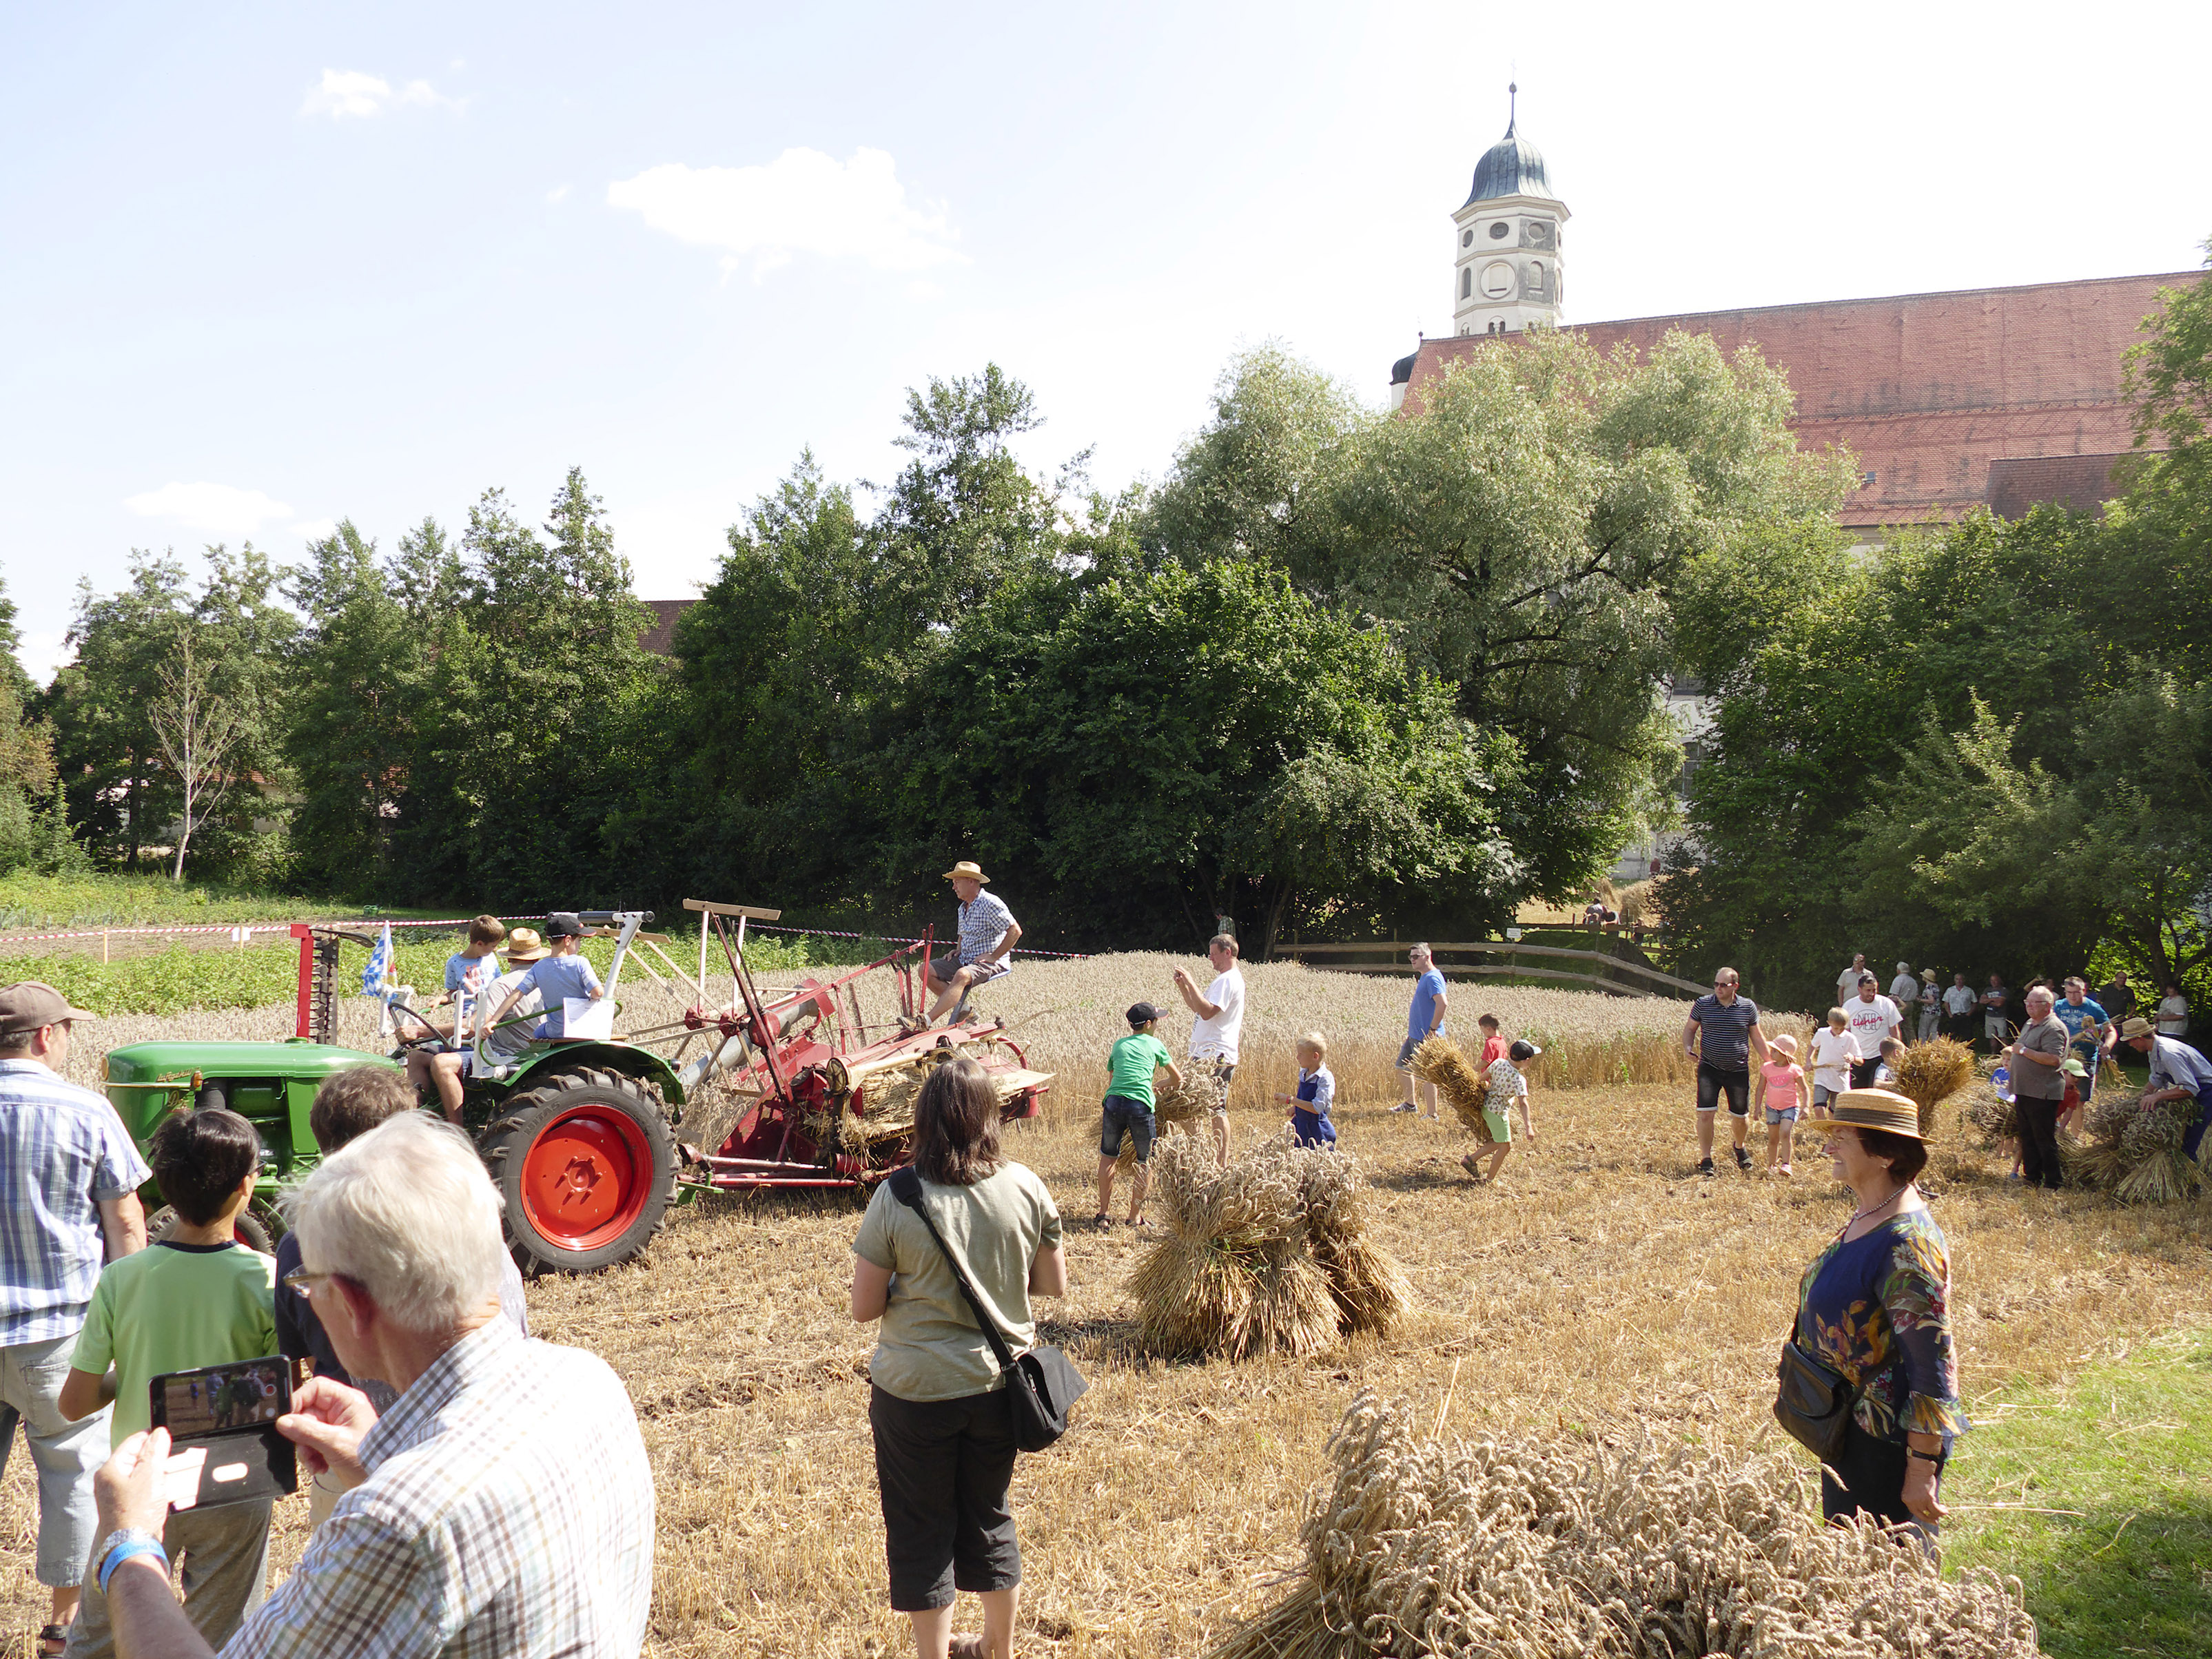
(197, 729)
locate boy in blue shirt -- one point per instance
(1134, 1063)
(469, 970)
(196, 1298)
(565, 973)
(1309, 1120)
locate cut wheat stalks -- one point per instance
(1931, 1072)
(1203, 1092)
(1509, 1548)
(1439, 1060)
(2136, 1154)
(1268, 1255)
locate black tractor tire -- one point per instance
(585, 1166)
(250, 1229)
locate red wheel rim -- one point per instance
(585, 1177)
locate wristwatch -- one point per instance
(121, 1545)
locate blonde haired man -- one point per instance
(1217, 1031)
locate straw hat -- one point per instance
(967, 868)
(1872, 1108)
(2137, 1027)
(523, 945)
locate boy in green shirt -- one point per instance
(197, 1298)
(1135, 1061)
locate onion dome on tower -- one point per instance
(1505, 271)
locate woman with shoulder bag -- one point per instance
(938, 1404)
(1873, 1308)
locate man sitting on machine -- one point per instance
(503, 1044)
(989, 934)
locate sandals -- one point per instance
(1102, 1219)
(53, 1641)
(967, 1647)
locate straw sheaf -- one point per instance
(1264, 1256)
(1203, 1092)
(1439, 1060)
(2135, 1154)
(1931, 1073)
(1509, 1548)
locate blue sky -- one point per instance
(267, 266)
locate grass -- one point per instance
(2122, 1450)
(1600, 1283)
(114, 900)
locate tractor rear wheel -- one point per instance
(250, 1229)
(586, 1162)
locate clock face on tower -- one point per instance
(1538, 233)
(1497, 280)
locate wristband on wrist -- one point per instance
(122, 1544)
(1938, 1458)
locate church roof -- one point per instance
(1511, 167)
(1941, 396)
(1401, 372)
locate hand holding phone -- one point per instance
(326, 1423)
(221, 1423)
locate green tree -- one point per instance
(1156, 751)
(100, 702)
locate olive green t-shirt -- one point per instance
(1129, 1066)
(175, 1308)
(930, 1346)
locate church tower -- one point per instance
(1506, 272)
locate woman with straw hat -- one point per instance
(1873, 1307)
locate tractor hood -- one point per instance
(165, 1061)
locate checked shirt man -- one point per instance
(69, 1204)
(989, 934)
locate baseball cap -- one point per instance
(562, 924)
(33, 1003)
(1142, 1013)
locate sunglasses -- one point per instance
(302, 1283)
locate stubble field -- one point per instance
(1600, 1283)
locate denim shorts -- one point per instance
(1782, 1115)
(1406, 1048)
(1124, 1113)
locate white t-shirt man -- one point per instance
(1835, 1054)
(1870, 1022)
(1217, 1038)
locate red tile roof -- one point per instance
(1927, 390)
(660, 638)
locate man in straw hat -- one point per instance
(72, 1177)
(442, 1069)
(1722, 1034)
(989, 934)
(2176, 1070)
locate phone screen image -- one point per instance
(224, 1399)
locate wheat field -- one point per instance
(1599, 1283)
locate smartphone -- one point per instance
(223, 1443)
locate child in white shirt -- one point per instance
(1835, 1051)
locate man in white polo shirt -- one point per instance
(1219, 1029)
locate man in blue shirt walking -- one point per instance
(1424, 1020)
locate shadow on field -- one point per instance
(2125, 1581)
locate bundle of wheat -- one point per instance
(2134, 1152)
(1991, 1113)
(1931, 1073)
(1269, 1254)
(1518, 1550)
(1203, 1092)
(1439, 1060)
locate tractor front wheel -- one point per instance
(585, 1164)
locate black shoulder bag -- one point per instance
(1041, 1384)
(1814, 1405)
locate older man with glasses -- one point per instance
(503, 1504)
(1722, 1034)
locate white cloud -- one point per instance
(312, 530)
(559, 193)
(218, 508)
(803, 202)
(352, 92)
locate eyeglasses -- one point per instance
(301, 1283)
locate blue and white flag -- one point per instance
(376, 980)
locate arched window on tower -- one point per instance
(1467, 283)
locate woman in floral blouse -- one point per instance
(1874, 1306)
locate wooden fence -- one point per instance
(1617, 975)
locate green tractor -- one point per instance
(578, 1136)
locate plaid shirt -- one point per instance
(983, 922)
(62, 1150)
(508, 1512)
